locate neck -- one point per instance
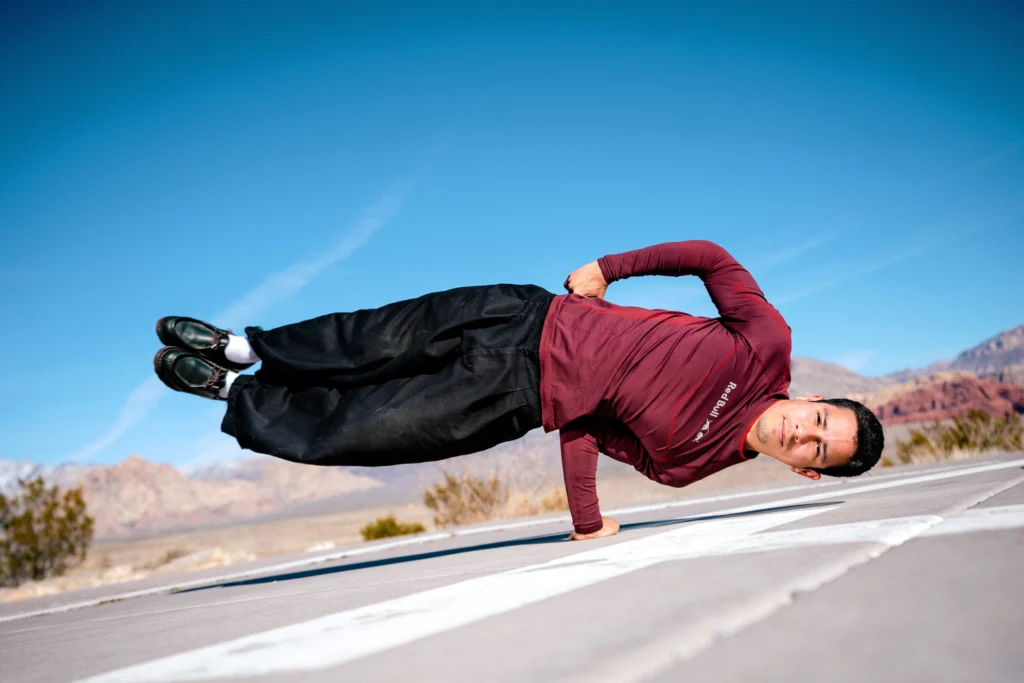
(751, 442)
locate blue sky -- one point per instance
(264, 163)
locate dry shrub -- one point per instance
(42, 532)
(966, 437)
(385, 527)
(464, 499)
(523, 505)
(469, 496)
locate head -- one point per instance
(837, 437)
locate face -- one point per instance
(804, 433)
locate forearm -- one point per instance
(579, 469)
(694, 257)
(582, 441)
(732, 289)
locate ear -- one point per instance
(816, 397)
(804, 472)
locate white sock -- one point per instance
(228, 381)
(239, 350)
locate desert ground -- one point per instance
(118, 561)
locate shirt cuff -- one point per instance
(588, 528)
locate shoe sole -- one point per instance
(158, 360)
(159, 325)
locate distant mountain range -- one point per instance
(137, 497)
(1000, 358)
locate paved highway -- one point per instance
(915, 574)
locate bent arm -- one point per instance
(732, 289)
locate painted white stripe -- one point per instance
(890, 532)
(659, 654)
(981, 519)
(338, 638)
(846, 487)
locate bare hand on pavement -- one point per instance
(587, 281)
(610, 528)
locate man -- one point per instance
(676, 396)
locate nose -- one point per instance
(803, 435)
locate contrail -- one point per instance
(910, 253)
(144, 398)
(291, 280)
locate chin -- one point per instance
(761, 432)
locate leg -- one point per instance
(482, 398)
(400, 340)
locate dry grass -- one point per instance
(965, 437)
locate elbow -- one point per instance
(711, 250)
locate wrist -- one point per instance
(589, 527)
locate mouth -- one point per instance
(782, 432)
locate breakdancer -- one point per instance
(678, 397)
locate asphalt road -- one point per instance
(908, 575)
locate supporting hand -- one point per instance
(610, 528)
(587, 281)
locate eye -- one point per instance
(817, 450)
(818, 420)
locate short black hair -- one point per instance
(868, 444)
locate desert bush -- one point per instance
(385, 527)
(976, 433)
(42, 532)
(522, 505)
(464, 499)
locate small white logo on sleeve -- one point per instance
(719, 404)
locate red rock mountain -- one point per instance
(951, 397)
(987, 377)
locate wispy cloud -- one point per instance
(982, 163)
(140, 403)
(144, 398)
(788, 254)
(923, 247)
(291, 280)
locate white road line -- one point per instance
(659, 654)
(880, 531)
(338, 638)
(981, 519)
(836, 487)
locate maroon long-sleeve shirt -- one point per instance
(671, 394)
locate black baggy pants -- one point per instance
(442, 375)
